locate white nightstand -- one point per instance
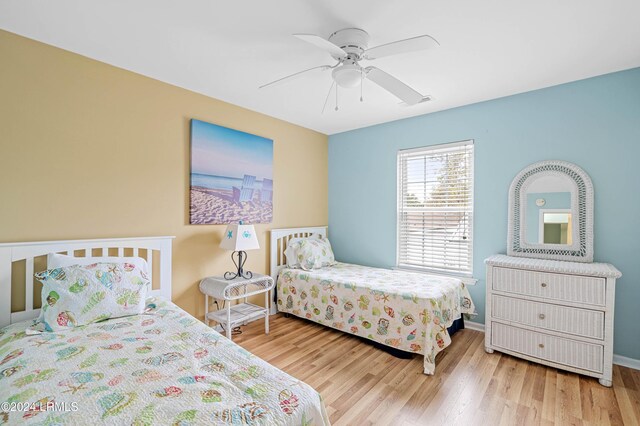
(236, 289)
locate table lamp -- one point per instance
(239, 237)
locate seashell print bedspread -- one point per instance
(163, 367)
(405, 310)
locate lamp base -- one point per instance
(242, 258)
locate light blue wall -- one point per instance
(594, 123)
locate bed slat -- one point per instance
(150, 264)
(5, 286)
(28, 282)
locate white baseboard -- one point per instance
(626, 362)
(617, 359)
(474, 326)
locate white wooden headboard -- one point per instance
(279, 240)
(27, 252)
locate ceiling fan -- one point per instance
(350, 46)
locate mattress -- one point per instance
(404, 310)
(163, 367)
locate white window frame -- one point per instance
(467, 276)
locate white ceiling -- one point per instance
(226, 49)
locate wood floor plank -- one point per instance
(549, 398)
(532, 393)
(357, 370)
(468, 406)
(625, 397)
(568, 404)
(586, 400)
(362, 384)
(455, 384)
(388, 410)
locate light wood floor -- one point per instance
(361, 384)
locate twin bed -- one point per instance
(403, 310)
(159, 367)
(162, 366)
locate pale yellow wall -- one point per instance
(88, 150)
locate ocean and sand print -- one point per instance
(231, 176)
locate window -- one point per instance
(435, 208)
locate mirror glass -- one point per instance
(548, 216)
(556, 228)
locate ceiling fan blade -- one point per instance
(426, 98)
(402, 46)
(284, 79)
(394, 86)
(323, 44)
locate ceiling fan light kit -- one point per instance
(348, 75)
(350, 46)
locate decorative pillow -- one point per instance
(55, 260)
(78, 295)
(290, 253)
(292, 246)
(309, 254)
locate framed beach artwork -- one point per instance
(231, 176)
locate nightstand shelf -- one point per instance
(240, 313)
(233, 290)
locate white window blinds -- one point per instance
(435, 208)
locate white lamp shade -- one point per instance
(239, 237)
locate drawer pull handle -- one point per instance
(541, 345)
(541, 316)
(543, 284)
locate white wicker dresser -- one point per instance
(552, 312)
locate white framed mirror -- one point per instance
(551, 213)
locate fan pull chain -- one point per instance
(336, 97)
(328, 96)
(361, 83)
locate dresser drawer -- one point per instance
(568, 352)
(580, 322)
(561, 287)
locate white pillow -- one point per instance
(310, 253)
(55, 260)
(289, 253)
(78, 295)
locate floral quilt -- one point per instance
(404, 310)
(162, 367)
